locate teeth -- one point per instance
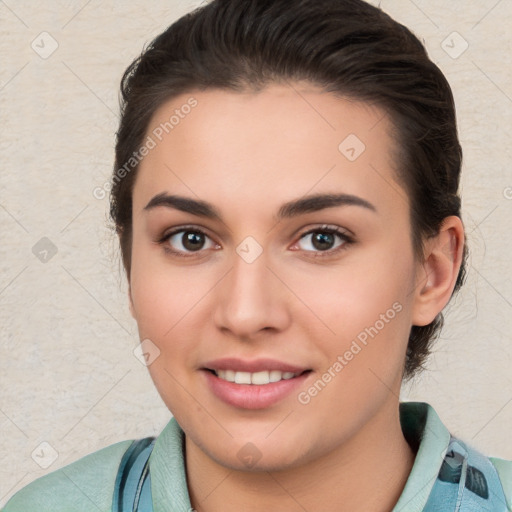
(275, 375)
(242, 377)
(258, 378)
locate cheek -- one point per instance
(167, 306)
(162, 293)
(365, 313)
(344, 300)
(171, 311)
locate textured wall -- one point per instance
(68, 376)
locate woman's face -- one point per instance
(242, 273)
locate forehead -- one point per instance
(293, 137)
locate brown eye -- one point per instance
(192, 241)
(325, 240)
(184, 241)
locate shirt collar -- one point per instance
(423, 429)
(420, 423)
(167, 468)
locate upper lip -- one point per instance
(256, 365)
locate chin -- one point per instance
(251, 460)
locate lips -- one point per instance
(257, 365)
(250, 396)
(257, 384)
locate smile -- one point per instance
(256, 378)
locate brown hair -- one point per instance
(347, 47)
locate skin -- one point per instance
(247, 154)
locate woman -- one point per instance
(286, 198)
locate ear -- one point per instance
(437, 275)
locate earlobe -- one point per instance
(438, 273)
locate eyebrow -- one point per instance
(307, 204)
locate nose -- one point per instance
(251, 299)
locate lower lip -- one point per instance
(253, 396)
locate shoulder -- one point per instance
(504, 468)
(84, 485)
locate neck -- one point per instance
(368, 472)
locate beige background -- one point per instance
(68, 376)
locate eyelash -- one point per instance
(342, 234)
